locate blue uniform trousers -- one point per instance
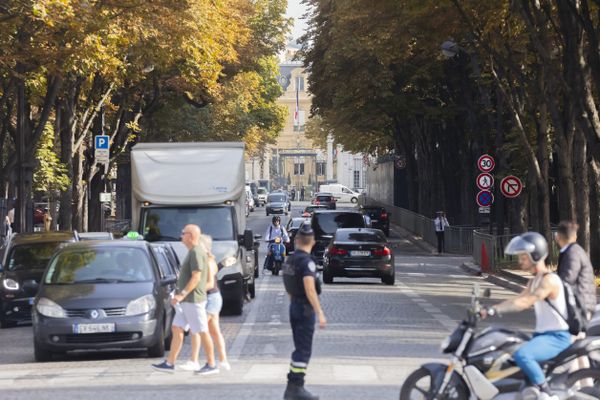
(302, 319)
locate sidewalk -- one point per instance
(411, 237)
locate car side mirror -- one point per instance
(248, 239)
(30, 286)
(168, 280)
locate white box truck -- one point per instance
(174, 184)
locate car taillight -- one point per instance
(317, 202)
(384, 216)
(336, 251)
(382, 252)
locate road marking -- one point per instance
(354, 373)
(429, 308)
(244, 333)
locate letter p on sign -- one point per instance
(102, 142)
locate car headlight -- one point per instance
(48, 308)
(142, 305)
(10, 284)
(229, 261)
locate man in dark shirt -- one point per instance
(299, 278)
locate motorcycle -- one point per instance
(482, 367)
(277, 260)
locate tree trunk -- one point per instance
(65, 117)
(594, 174)
(582, 188)
(78, 190)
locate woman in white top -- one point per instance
(545, 293)
(214, 304)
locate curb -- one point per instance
(415, 240)
(474, 269)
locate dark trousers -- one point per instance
(441, 243)
(302, 319)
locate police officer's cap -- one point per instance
(305, 230)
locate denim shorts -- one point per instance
(214, 303)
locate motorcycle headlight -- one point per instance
(10, 284)
(229, 261)
(141, 305)
(48, 308)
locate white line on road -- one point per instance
(244, 333)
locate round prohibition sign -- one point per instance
(485, 198)
(511, 186)
(486, 163)
(485, 181)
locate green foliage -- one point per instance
(50, 176)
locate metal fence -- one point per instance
(458, 239)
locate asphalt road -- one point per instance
(376, 336)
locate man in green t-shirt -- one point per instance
(190, 307)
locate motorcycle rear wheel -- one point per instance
(421, 385)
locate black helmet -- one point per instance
(276, 218)
(305, 230)
(531, 243)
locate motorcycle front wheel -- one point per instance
(585, 383)
(421, 385)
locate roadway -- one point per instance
(376, 336)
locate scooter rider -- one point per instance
(275, 230)
(545, 293)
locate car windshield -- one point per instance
(327, 223)
(31, 256)
(324, 198)
(166, 223)
(99, 265)
(354, 236)
(276, 198)
(297, 222)
(262, 191)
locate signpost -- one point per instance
(485, 198)
(102, 149)
(511, 186)
(485, 181)
(486, 163)
(105, 197)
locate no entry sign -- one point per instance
(511, 186)
(485, 181)
(486, 163)
(485, 198)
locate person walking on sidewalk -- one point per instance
(441, 223)
(190, 307)
(299, 278)
(302, 193)
(214, 305)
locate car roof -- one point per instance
(337, 212)
(350, 230)
(41, 237)
(323, 194)
(142, 244)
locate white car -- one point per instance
(341, 192)
(262, 196)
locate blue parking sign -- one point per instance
(102, 142)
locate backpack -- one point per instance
(576, 312)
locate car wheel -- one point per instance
(354, 200)
(252, 289)
(40, 354)
(327, 277)
(158, 349)
(389, 280)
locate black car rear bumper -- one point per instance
(360, 268)
(232, 288)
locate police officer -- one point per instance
(299, 278)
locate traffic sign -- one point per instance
(484, 210)
(511, 186)
(105, 197)
(485, 181)
(485, 198)
(102, 156)
(486, 163)
(102, 142)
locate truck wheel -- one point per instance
(267, 213)
(237, 307)
(252, 289)
(40, 354)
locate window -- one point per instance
(321, 168)
(328, 223)
(166, 223)
(356, 179)
(164, 264)
(298, 168)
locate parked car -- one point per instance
(95, 236)
(292, 228)
(324, 199)
(277, 203)
(309, 210)
(341, 192)
(326, 223)
(262, 196)
(380, 218)
(25, 257)
(103, 294)
(359, 252)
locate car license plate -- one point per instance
(93, 328)
(31, 299)
(374, 220)
(360, 253)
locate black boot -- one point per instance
(295, 391)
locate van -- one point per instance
(340, 192)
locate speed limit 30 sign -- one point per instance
(486, 163)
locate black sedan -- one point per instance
(361, 252)
(99, 295)
(24, 260)
(277, 203)
(292, 228)
(380, 218)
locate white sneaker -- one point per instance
(189, 365)
(225, 366)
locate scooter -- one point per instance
(482, 366)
